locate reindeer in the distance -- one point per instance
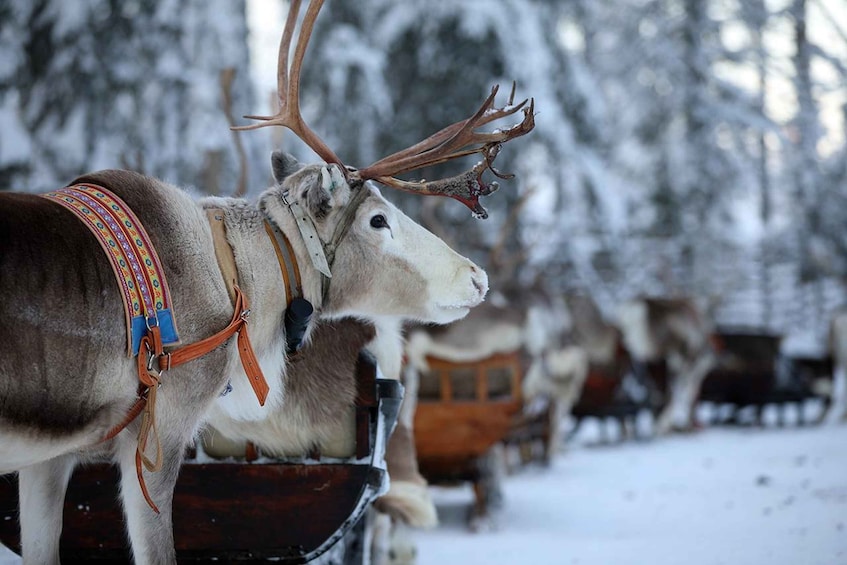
(669, 339)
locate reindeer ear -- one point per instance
(330, 190)
(284, 165)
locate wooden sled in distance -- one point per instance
(752, 374)
(605, 398)
(464, 410)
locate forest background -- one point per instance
(682, 147)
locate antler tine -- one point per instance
(437, 139)
(447, 138)
(282, 57)
(288, 84)
(451, 143)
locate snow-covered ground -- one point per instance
(746, 496)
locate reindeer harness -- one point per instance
(150, 322)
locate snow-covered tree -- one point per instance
(89, 84)
(678, 142)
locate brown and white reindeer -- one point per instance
(316, 412)
(675, 333)
(68, 391)
(607, 392)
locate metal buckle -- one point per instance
(150, 358)
(148, 324)
(151, 365)
(245, 314)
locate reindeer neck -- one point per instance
(281, 218)
(246, 257)
(387, 346)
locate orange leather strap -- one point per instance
(238, 325)
(151, 353)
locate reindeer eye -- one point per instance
(378, 222)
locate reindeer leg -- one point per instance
(699, 369)
(150, 534)
(685, 388)
(42, 490)
(837, 410)
(664, 421)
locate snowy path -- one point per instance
(721, 496)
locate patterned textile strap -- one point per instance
(141, 279)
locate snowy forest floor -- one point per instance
(751, 495)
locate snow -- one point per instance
(757, 496)
(753, 496)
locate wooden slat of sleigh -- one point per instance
(461, 423)
(231, 511)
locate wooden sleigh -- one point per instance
(464, 410)
(287, 510)
(748, 378)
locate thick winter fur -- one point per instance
(316, 413)
(677, 331)
(317, 410)
(65, 379)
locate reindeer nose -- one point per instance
(479, 279)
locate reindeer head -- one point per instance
(381, 262)
(391, 266)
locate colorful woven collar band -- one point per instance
(147, 300)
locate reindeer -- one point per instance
(316, 415)
(316, 412)
(67, 391)
(676, 332)
(609, 390)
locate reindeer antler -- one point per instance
(288, 84)
(456, 140)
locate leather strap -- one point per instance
(311, 239)
(358, 196)
(238, 324)
(359, 193)
(153, 361)
(287, 262)
(223, 251)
